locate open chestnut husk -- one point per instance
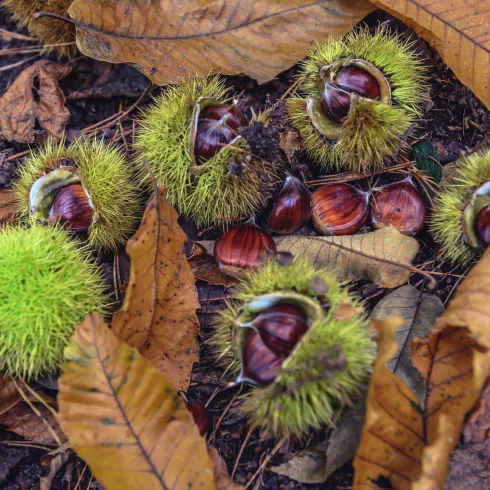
(292, 209)
(482, 226)
(339, 209)
(217, 126)
(242, 248)
(399, 205)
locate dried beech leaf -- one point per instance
(9, 395)
(158, 315)
(205, 268)
(8, 206)
(221, 477)
(35, 97)
(459, 30)
(419, 313)
(477, 428)
(349, 262)
(52, 463)
(171, 42)
(125, 419)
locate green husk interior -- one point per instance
(297, 402)
(106, 175)
(47, 286)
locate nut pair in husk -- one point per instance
(362, 93)
(48, 30)
(88, 187)
(296, 335)
(460, 219)
(190, 139)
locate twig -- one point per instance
(242, 448)
(265, 462)
(19, 63)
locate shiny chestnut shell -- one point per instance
(259, 364)
(339, 209)
(335, 103)
(71, 207)
(200, 416)
(242, 248)
(281, 327)
(356, 80)
(292, 209)
(235, 118)
(482, 226)
(399, 205)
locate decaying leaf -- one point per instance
(205, 268)
(359, 256)
(477, 428)
(158, 315)
(8, 206)
(409, 443)
(459, 30)
(169, 44)
(35, 97)
(53, 462)
(419, 313)
(221, 477)
(9, 395)
(290, 142)
(125, 419)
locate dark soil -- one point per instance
(456, 123)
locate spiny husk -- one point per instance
(446, 220)
(47, 286)
(279, 409)
(106, 175)
(48, 30)
(235, 183)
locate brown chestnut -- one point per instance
(483, 226)
(217, 126)
(292, 209)
(259, 364)
(339, 209)
(336, 97)
(280, 327)
(399, 205)
(242, 248)
(72, 208)
(200, 416)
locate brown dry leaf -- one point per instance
(8, 206)
(158, 315)
(350, 262)
(52, 463)
(205, 268)
(171, 42)
(125, 419)
(35, 97)
(290, 142)
(9, 396)
(221, 477)
(459, 30)
(477, 428)
(346, 310)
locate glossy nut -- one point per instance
(235, 117)
(339, 209)
(399, 205)
(242, 248)
(200, 416)
(259, 364)
(482, 226)
(281, 327)
(72, 208)
(292, 209)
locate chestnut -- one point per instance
(336, 97)
(399, 205)
(72, 208)
(218, 125)
(280, 327)
(292, 209)
(242, 248)
(200, 416)
(483, 226)
(339, 209)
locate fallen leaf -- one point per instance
(53, 462)
(158, 315)
(477, 428)
(221, 477)
(23, 421)
(8, 207)
(459, 30)
(346, 310)
(125, 419)
(9, 396)
(35, 97)
(290, 142)
(205, 268)
(419, 313)
(170, 44)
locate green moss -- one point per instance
(234, 183)
(301, 398)
(47, 287)
(446, 219)
(108, 178)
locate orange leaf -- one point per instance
(459, 30)
(170, 43)
(125, 420)
(158, 316)
(9, 396)
(8, 206)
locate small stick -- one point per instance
(242, 448)
(265, 462)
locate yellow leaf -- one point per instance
(158, 315)
(125, 420)
(170, 42)
(459, 30)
